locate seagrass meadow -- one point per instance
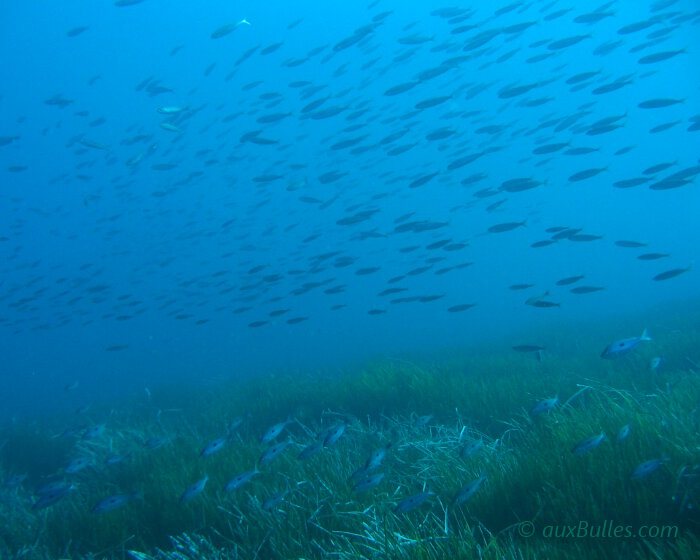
(359, 279)
(539, 498)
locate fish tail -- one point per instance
(645, 335)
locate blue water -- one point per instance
(101, 253)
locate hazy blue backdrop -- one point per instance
(119, 275)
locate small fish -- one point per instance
(659, 57)
(506, 226)
(538, 301)
(658, 167)
(652, 256)
(94, 145)
(115, 502)
(646, 468)
(310, 450)
(471, 448)
(78, 464)
(213, 446)
(225, 29)
(528, 348)
(376, 458)
(468, 490)
(116, 459)
(569, 280)
(334, 434)
(51, 487)
(586, 289)
(194, 490)
(630, 244)
(171, 110)
(94, 432)
(273, 501)
(517, 287)
(274, 431)
(623, 434)
(586, 174)
(15, 480)
(51, 497)
(584, 237)
(412, 502)
(170, 127)
(460, 307)
(368, 482)
(421, 421)
(670, 274)
(240, 479)
(588, 444)
(546, 405)
(6, 140)
(362, 472)
(623, 346)
(658, 103)
(273, 452)
(71, 386)
(235, 424)
(654, 363)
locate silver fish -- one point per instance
(334, 434)
(194, 490)
(376, 458)
(94, 432)
(624, 433)
(52, 487)
(235, 424)
(274, 431)
(115, 502)
(368, 482)
(468, 490)
(273, 501)
(623, 346)
(471, 448)
(588, 444)
(173, 110)
(646, 468)
(310, 450)
(546, 405)
(15, 480)
(420, 421)
(78, 464)
(240, 479)
(412, 502)
(116, 459)
(362, 472)
(273, 452)
(213, 446)
(50, 498)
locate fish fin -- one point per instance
(645, 335)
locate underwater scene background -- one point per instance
(349, 279)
